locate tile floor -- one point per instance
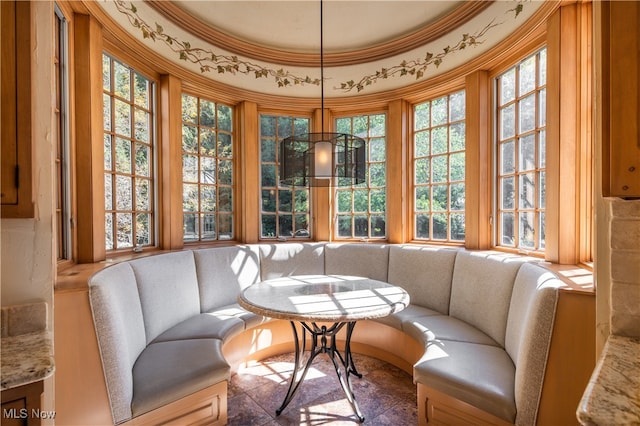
(386, 394)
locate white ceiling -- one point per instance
(295, 25)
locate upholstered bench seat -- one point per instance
(481, 375)
(169, 370)
(477, 330)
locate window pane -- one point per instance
(527, 107)
(527, 154)
(440, 226)
(507, 122)
(507, 191)
(527, 229)
(507, 157)
(507, 86)
(506, 226)
(422, 173)
(422, 226)
(422, 144)
(207, 113)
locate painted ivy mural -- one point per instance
(417, 67)
(209, 61)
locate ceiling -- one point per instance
(272, 46)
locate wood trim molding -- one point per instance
(170, 158)
(248, 163)
(398, 227)
(478, 188)
(463, 13)
(89, 139)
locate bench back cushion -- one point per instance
(528, 335)
(117, 317)
(363, 260)
(425, 273)
(281, 260)
(168, 288)
(481, 291)
(224, 272)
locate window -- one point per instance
(61, 138)
(284, 209)
(207, 170)
(520, 137)
(439, 169)
(361, 209)
(128, 156)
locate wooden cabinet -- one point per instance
(15, 122)
(21, 405)
(620, 65)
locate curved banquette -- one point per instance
(475, 336)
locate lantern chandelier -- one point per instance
(325, 158)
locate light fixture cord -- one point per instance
(321, 71)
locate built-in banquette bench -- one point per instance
(475, 336)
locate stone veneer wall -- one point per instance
(624, 243)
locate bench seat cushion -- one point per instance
(443, 327)
(453, 368)
(168, 371)
(396, 319)
(214, 325)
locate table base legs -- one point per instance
(327, 344)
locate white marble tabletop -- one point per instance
(613, 394)
(323, 298)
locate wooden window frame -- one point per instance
(151, 109)
(336, 214)
(277, 187)
(539, 129)
(217, 185)
(448, 182)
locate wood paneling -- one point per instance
(248, 175)
(478, 162)
(170, 182)
(571, 360)
(398, 215)
(621, 176)
(89, 139)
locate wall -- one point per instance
(27, 245)
(624, 261)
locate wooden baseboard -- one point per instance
(205, 407)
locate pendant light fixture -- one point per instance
(325, 158)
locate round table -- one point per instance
(311, 300)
